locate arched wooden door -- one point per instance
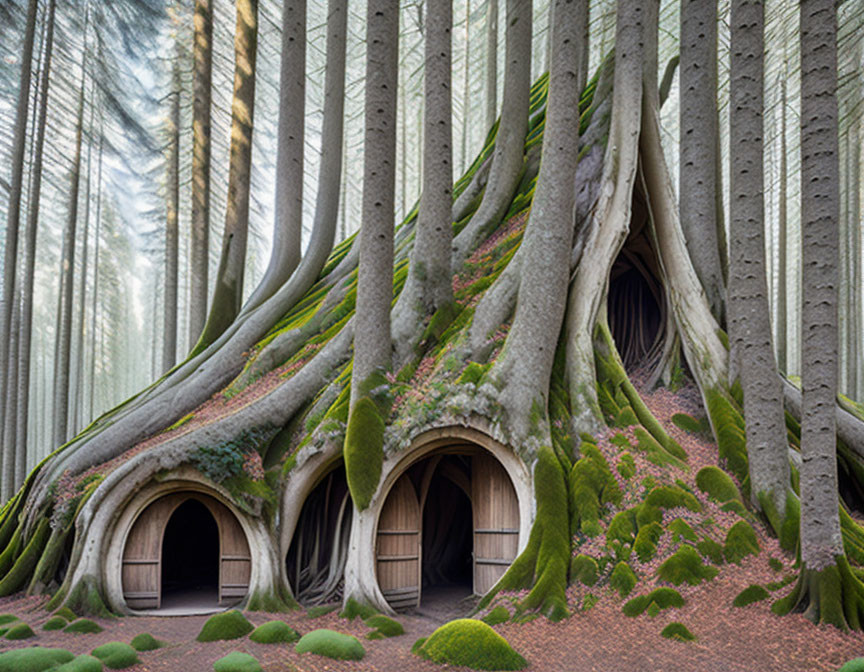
(142, 555)
(397, 548)
(496, 521)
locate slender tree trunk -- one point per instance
(698, 132)
(62, 351)
(94, 301)
(782, 244)
(172, 229)
(228, 295)
(9, 401)
(288, 227)
(853, 283)
(13, 214)
(491, 62)
(199, 245)
(855, 358)
(30, 237)
(466, 92)
(507, 160)
(375, 270)
(750, 324)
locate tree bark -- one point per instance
(507, 160)
(491, 62)
(853, 284)
(199, 245)
(375, 271)
(698, 132)
(172, 228)
(288, 227)
(782, 243)
(228, 295)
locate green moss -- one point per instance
(623, 579)
(741, 541)
(20, 631)
(685, 566)
(16, 578)
(689, 424)
(681, 531)
(146, 642)
(83, 626)
(626, 417)
(664, 598)
(627, 466)
(834, 595)
(227, 625)
(469, 643)
(856, 665)
(750, 595)
(473, 373)
(67, 613)
(775, 564)
(54, 623)
(353, 609)
(237, 661)
(591, 486)
(274, 632)
(498, 615)
(717, 484)
(735, 506)
(33, 659)
(678, 631)
(670, 497)
(82, 663)
(622, 527)
(384, 627)
(731, 438)
(116, 655)
(645, 545)
(584, 569)
(85, 598)
(364, 451)
(331, 644)
(272, 601)
(712, 550)
(321, 610)
(7, 618)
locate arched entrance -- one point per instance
(451, 522)
(187, 551)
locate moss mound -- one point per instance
(741, 541)
(685, 566)
(670, 497)
(498, 615)
(227, 625)
(750, 595)
(7, 618)
(331, 644)
(584, 569)
(116, 655)
(679, 631)
(20, 631)
(623, 579)
(54, 623)
(856, 665)
(274, 632)
(717, 484)
(473, 644)
(681, 531)
(353, 609)
(67, 613)
(384, 627)
(711, 550)
(146, 642)
(646, 541)
(237, 662)
(321, 610)
(83, 663)
(33, 659)
(660, 598)
(83, 626)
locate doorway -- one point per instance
(190, 557)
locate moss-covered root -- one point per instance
(17, 577)
(84, 598)
(364, 440)
(832, 595)
(543, 565)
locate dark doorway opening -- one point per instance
(190, 556)
(316, 559)
(636, 318)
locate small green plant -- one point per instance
(237, 661)
(33, 659)
(384, 627)
(82, 663)
(498, 615)
(741, 541)
(750, 595)
(20, 631)
(685, 566)
(856, 665)
(681, 531)
(274, 632)
(679, 631)
(67, 613)
(331, 644)
(623, 579)
(146, 642)
(664, 598)
(116, 655)
(54, 623)
(712, 550)
(584, 569)
(7, 618)
(83, 626)
(469, 643)
(353, 609)
(645, 545)
(717, 484)
(227, 625)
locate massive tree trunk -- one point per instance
(172, 228)
(199, 244)
(228, 295)
(750, 323)
(288, 227)
(698, 184)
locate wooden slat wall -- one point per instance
(235, 564)
(398, 546)
(496, 521)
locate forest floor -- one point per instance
(601, 638)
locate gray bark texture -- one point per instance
(228, 294)
(507, 160)
(375, 271)
(199, 244)
(288, 226)
(821, 541)
(698, 182)
(750, 324)
(782, 243)
(491, 62)
(172, 230)
(428, 286)
(523, 370)
(854, 334)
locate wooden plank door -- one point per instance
(235, 560)
(496, 521)
(398, 546)
(141, 571)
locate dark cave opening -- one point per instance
(636, 318)
(447, 534)
(316, 558)
(190, 551)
